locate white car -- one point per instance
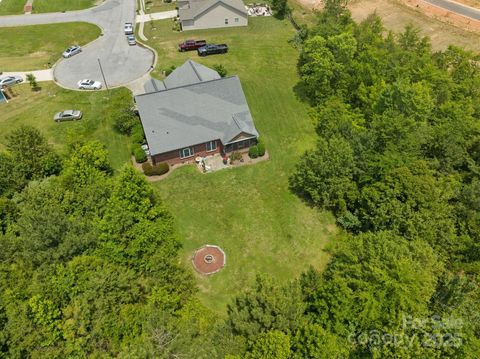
(89, 85)
(128, 28)
(10, 80)
(72, 50)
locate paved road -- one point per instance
(121, 63)
(456, 8)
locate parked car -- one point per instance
(10, 80)
(191, 45)
(212, 49)
(72, 50)
(128, 28)
(89, 85)
(131, 40)
(68, 115)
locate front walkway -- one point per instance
(40, 75)
(157, 16)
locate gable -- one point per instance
(216, 6)
(242, 136)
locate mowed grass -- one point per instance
(61, 5)
(152, 6)
(249, 211)
(37, 109)
(11, 7)
(26, 48)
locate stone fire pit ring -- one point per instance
(209, 259)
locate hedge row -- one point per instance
(156, 170)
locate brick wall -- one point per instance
(173, 157)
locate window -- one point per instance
(211, 146)
(236, 19)
(226, 21)
(186, 152)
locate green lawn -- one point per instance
(11, 7)
(37, 109)
(152, 6)
(249, 211)
(61, 5)
(27, 48)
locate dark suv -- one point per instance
(212, 49)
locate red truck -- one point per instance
(191, 45)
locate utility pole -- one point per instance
(103, 75)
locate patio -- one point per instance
(215, 162)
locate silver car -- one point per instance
(10, 80)
(72, 50)
(131, 40)
(68, 115)
(89, 85)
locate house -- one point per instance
(194, 112)
(208, 14)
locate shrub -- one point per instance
(156, 170)
(235, 156)
(253, 152)
(170, 70)
(261, 149)
(33, 82)
(222, 71)
(139, 154)
(137, 134)
(125, 121)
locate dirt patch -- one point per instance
(442, 28)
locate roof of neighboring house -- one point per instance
(184, 116)
(154, 85)
(197, 7)
(189, 73)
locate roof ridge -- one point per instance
(191, 62)
(190, 85)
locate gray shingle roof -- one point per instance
(188, 115)
(189, 73)
(197, 7)
(153, 85)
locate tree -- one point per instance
(280, 8)
(265, 307)
(33, 82)
(33, 156)
(270, 345)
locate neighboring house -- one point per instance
(194, 112)
(208, 14)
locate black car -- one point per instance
(212, 49)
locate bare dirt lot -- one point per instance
(396, 15)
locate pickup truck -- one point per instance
(191, 45)
(212, 49)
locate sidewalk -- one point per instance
(157, 16)
(40, 75)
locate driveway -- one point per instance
(457, 8)
(121, 63)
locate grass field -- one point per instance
(11, 7)
(37, 109)
(152, 6)
(249, 211)
(27, 48)
(61, 5)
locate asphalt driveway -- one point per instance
(121, 63)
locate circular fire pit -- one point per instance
(209, 259)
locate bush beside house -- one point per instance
(156, 170)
